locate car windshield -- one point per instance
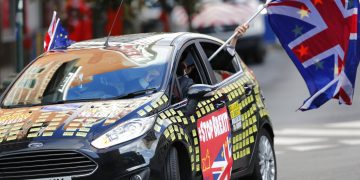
(90, 74)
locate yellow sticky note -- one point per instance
(207, 109)
(192, 118)
(166, 133)
(162, 116)
(185, 121)
(148, 108)
(173, 112)
(165, 98)
(178, 119)
(51, 128)
(247, 151)
(203, 111)
(157, 128)
(68, 133)
(10, 138)
(74, 124)
(168, 113)
(176, 128)
(47, 133)
(196, 142)
(252, 139)
(194, 133)
(31, 135)
(40, 120)
(84, 129)
(180, 113)
(141, 113)
(81, 134)
(154, 105)
(198, 114)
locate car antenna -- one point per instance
(117, 13)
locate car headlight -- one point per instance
(123, 132)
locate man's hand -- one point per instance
(240, 31)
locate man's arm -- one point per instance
(240, 30)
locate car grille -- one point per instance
(45, 164)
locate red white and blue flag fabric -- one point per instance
(215, 145)
(320, 36)
(57, 37)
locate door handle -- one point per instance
(248, 89)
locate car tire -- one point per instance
(171, 166)
(265, 160)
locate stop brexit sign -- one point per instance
(215, 145)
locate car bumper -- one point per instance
(123, 162)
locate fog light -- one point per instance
(136, 177)
(143, 175)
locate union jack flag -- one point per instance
(222, 166)
(320, 36)
(57, 36)
(50, 33)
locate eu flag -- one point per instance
(321, 38)
(60, 38)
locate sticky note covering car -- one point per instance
(149, 106)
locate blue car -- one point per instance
(148, 106)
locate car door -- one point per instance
(235, 84)
(205, 119)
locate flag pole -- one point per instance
(247, 22)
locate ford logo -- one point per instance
(35, 145)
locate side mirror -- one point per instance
(198, 91)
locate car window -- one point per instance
(188, 70)
(90, 74)
(176, 92)
(224, 65)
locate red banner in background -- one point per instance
(5, 14)
(215, 145)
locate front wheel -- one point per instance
(171, 166)
(265, 161)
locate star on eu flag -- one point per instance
(319, 65)
(303, 13)
(297, 30)
(316, 2)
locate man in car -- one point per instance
(186, 81)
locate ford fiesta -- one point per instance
(148, 106)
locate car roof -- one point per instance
(134, 39)
(144, 39)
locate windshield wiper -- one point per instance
(137, 93)
(71, 101)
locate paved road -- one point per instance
(322, 144)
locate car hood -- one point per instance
(81, 120)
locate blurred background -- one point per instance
(320, 144)
(24, 24)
